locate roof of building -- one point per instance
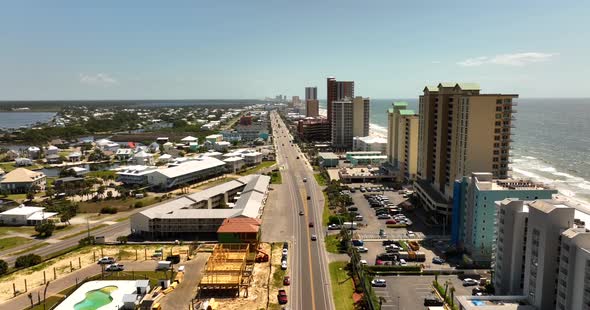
(407, 112)
(240, 225)
(400, 104)
(41, 215)
(21, 175)
(142, 154)
(189, 139)
(22, 210)
(469, 86)
(371, 139)
(232, 159)
(191, 166)
(327, 155)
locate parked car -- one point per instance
(438, 260)
(284, 265)
(384, 216)
(432, 301)
(285, 251)
(282, 297)
(378, 283)
(392, 222)
(362, 249)
(310, 224)
(363, 262)
(353, 209)
(388, 242)
(106, 260)
(333, 227)
(411, 234)
(314, 237)
(304, 179)
(402, 262)
(114, 267)
(286, 281)
(469, 282)
(285, 245)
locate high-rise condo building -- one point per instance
(311, 93)
(474, 210)
(350, 118)
(337, 90)
(461, 131)
(543, 252)
(312, 108)
(402, 140)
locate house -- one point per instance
(124, 154)
(193, 146)
(79, 171)
(143, 158)
(168, 146)
(162, 140)
(154, 147)
(221, 146)
(34, 152)
(166, 158)
(20, 180)
(23, 215)
(23, 161)
(187, 140)
(75, 157)
(53, 159)
(11, 155)
(239, 230)
(231, 135)
(51, 150)
(214, 138)
(188, 172)
(234, 164)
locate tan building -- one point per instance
(360, 116)
(402, 140)
(312, 108)
(460, 131)
(20, 180)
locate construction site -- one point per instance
(236, 275)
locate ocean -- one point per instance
(18, 119)
(551, 141)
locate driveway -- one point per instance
(184, 293)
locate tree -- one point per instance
(65, 217)
(3, 267)
(109, 194)
(27, 260)
(100, 191)
(49, 191)
(122, 239)
(45, 229)
(30, 195)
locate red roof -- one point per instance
(240, 225)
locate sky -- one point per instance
(68, 50)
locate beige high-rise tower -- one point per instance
(402, 140)
(461, 131)
(360, 116)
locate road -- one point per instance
(310, 286)
(117, 229)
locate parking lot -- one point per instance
(408, 292)
(371, 225)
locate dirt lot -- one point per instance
(60, 266)
(258, 290)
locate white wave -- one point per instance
(530, 157)
(584, 185)
(547, 169)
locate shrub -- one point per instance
(45, 229)
(108, 210)
(86, 241)
(3, 266)
(27, 261)
(139, 204)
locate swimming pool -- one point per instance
(96, 298)
(477, 302)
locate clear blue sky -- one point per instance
(251, 49)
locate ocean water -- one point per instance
(551, 141)
(18, 119)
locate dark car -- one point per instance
(432, 301)
(285, 245)
(282, 297)
(388, 242)
(310, 224)
(301, 212)
(287, 281)
(175, 259)
(353, 209)
(308, 197)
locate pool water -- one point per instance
(96, 298)
(478, 303)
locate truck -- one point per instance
(357, 242)
(414, 245)
(349, 225)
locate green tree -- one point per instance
(49, 191)
(45, 229)
(30, 195)
(3, 267)
(109, 194)
(27, 260)
(122, 239)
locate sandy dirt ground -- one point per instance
(258, 290)
(73, 261)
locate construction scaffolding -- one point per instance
(228, 271)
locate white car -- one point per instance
(469, 282)
(284, 265)
(106, 260)
(402, 262)
(363, 262)
(362, 249)
(384, 217)
(379, 283)
(411, 234)
(285, 251)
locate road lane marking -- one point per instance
(308, 248)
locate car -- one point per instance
(384, 216)
(362, 249)
(285, 251)
(282, 297)
(310, 224)
(106, 260)
(284, 265)
(285, 245)
(114, 267)
(438, 260)
(358, 218)
(469, 282)
(333, 227)
(363, 262)
(388, 242)
(314, 237)
(286, 281)
(432, 301)
(301, 212)
(478, 291)
(304, 179)
(353, 209)
(308, 197)
(392, 222)
(402, 262)
(411, 234)
(378, 283)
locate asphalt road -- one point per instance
(310, 279)
(117, 229)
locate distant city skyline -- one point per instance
(234, 50)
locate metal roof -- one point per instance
(191, 166)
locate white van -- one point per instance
(358, 218)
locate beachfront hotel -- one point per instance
(350, 118)
(402, 140)
(460, 131)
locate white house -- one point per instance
(23, 215)
(34, 152)
(143, 158)
(221, 146)
(124, 154)
(51, 150)
(234, 164)
(189, 139)
(75, 157)
(22, 161)
(166, 158)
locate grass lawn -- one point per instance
(320, 179)
(326, 212)
(9, 166)
(29, 230)
(16, 197)
(120, 204)
(11, 242)
(342, 286)
(333, 243)
(276, 178)
(263, 165)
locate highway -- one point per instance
(310, 278)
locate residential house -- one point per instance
(20, 180)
